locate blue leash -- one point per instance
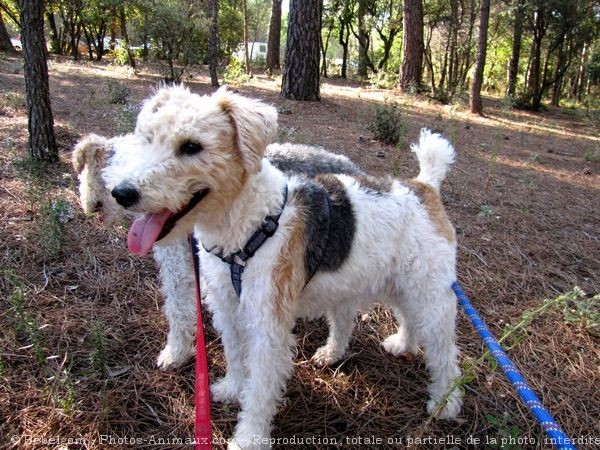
(544, 418)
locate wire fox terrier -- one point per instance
(94, 153)
(341, 242)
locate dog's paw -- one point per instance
(170, 358)
(399, 345)
(225, 390)
(449, 411)
(326, 356)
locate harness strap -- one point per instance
(237, 261)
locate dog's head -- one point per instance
(89, 157)
(193, 155)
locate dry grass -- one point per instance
(80, 325)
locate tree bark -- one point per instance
(123, 23)
(274, 45)
(54, 41)
(213, 45)
(42, 143)
(363, 41)
(5, 43)
(513, 67)
(246, 55)
(412, 61)
(476, 104)
(301, 71)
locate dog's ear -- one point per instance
(255, 123)
(90, 149)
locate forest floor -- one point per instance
(80, 318)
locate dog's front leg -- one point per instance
(224, 306)
(270, 365)
(178, 287)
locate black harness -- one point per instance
(237, 261)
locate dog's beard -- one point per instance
(152, 227)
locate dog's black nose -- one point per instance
(125, 195)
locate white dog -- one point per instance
(341, 242)
(94, 153)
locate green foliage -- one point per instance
(179, 32)
(235, 73)
(592, 155)
(126, 117)
(118, 93)
(507, 433)
(98, 349)
(26, 325)
(54, 215)
(388, 124)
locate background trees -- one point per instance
(538, 51)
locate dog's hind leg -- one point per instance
(341, 325)
(178, 287)
(433, 312)
(403, 341)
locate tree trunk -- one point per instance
(412, 61)
(476, 104)
(533, 81)
(213, 44)
(246, 55)
(513, 67)
(273, 45)
(301, 71)
(324, 48)
(344, 36)
(54, 41)
(363, 42)
(123, 23)
(5, 43)
(42, 143)
(453, 45)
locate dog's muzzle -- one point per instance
(125, 195)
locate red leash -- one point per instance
(203, 433)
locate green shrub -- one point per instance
(388, 124)
(118, 93)
(235, 73)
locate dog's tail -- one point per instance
(435, 154)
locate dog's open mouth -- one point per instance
(152, 227)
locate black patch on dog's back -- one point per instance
(329, 223)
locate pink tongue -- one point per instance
(144, 232)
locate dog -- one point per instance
(341, 243)
(94, 153)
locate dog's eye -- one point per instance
(190, 148)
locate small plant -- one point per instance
(289, 135)
(118, 93)
(26, 325)
(98, 353)
(64, 393)
(485, 211)
(126, 118)
(285, 109)
(507, 102)
(388, 124)
(235, 73)
(508, 435)
(53, 217)
(592, 155)
(536, 158)
(12, 100)
(384, 80)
